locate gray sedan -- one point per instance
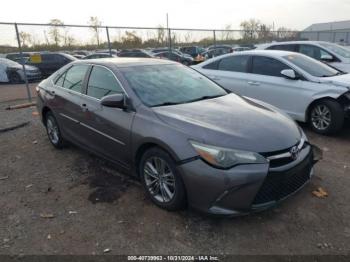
(187, 139)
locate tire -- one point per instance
(53, 131)
(15, 78)
(171, 194)
(326, 117)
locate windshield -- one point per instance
(161, 84)
(339, 50)
(311, 66)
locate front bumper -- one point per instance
(246, 188)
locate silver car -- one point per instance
(187, 139)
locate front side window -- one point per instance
(158, 85)
(267, 66)
(313, 51)
(102, 82)
(311, 66)
(234, 63)
(339, 50)
(73, 78)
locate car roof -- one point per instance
(122, 62)
(275, 53)
(293, 42)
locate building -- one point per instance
(336, 32)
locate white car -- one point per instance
(11, 71)
(330, 53)
(308, 90)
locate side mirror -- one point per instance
(327, 58)
(117, 101)
(289, 73)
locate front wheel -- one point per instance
(326, 117)
(15, 78)
(161, 180)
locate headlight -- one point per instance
(226, 158)
(347, 95)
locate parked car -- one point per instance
(182, 135)
(306, 89)
(78, 56)
(135, 53)
(99, 55)
(195, 51)
(81, 52)
(174, 56)
(11, 71)
(240, 49)
(228, 47)
(164, 49)
(106, 51)
(17, 56)
(49, 63)
(330, 53)
(214, 52)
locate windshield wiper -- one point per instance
(167, 104)
(203, 98)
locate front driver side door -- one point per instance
(267, 84)
(107, 129)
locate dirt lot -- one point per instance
(69, 202)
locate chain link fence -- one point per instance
(21, 38)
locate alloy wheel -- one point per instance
(321, 117)
(52, 131)
(160, 180)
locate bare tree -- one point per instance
(55, 31)
(250, 28)
(25, 38)
(161, 34)
(286, 33)
(95, 23)
(227, 34)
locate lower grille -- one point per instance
(278, 185)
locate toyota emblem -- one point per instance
(294, 152)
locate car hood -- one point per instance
(340, 80)
(234, 122)
(20, 67)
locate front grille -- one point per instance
(278, 185)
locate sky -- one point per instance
(200, 14)
(294, 14)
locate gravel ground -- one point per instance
(69, 202)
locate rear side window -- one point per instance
(291, 48)
(73, 78)
(267, 66)
(234, 63)
(102, 82)
(212, 66)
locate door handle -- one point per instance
(215, 78)
(252, 83)
(84, 107)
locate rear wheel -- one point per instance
(53, 131)
(161, 180)
(326, 117)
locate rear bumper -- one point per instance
(247, 188)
